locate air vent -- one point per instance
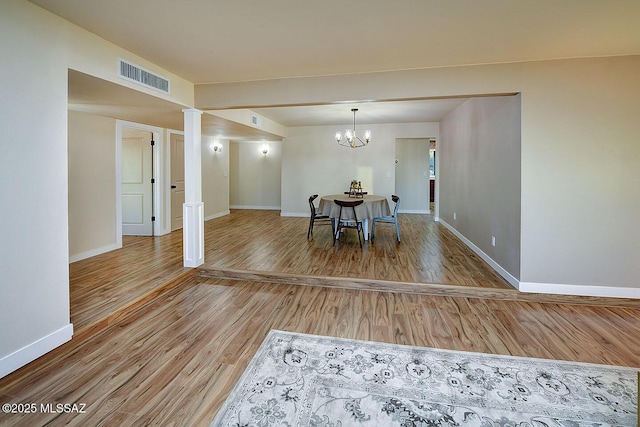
(256, 121)
(139, 75)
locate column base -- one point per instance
(193, 234)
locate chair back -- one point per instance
(396, 200)
(348, 204)
(312, 207)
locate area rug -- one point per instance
(309, 380)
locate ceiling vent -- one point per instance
(139, 75)
(256, 120)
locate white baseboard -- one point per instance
(261, 208)
(295, 214)
(93, 252)
(410, 211)
(582, 290)
(501, 271)
(31, 352)
(217, 215)
(549, 288)
(306, 214)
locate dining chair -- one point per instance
(353, 223)
(388, 221)
(315, 218)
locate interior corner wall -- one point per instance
(92, 185)
(479, 174)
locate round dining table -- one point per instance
(373, 206)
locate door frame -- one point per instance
(159, 154)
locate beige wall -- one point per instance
(92, 184)
(412, 185)
(215, 178)
(479, 176)
(579, 152)
(255, 177)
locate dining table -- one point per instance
(373, 206)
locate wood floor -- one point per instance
(267, 242)
(172, 357)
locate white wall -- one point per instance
(34, 233)
(312, 162)
(255, 177)
(580, 156)
(479, 173)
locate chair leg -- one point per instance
(373, 228)
(398, 230)
(310, 232)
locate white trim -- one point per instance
(413, 211)
(582, 290)
(32, 351)
(262, 208)
(217, 215)
(296, 214)
(501, 271)
(94, 252)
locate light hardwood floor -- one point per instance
(267, 242)
(172, 357)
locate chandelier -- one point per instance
(350, 138)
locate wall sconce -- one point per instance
(217, 147)
(265, 149)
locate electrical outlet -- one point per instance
(493, 240)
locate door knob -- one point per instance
(173, 186)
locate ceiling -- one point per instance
(210, 41)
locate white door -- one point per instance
(137, 203)
(177, 180)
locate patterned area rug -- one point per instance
(308, 380)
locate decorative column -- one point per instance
(193, 208)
